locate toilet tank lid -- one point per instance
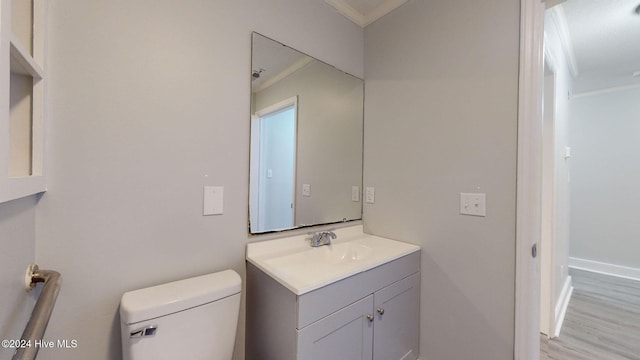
(165, 299)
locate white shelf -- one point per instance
(24, 186)
(22, 63)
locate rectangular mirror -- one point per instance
(306, 140)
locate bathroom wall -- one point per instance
(149, 102)
(441, 119)
(604, 180)
(17, 249)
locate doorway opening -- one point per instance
(273, 168)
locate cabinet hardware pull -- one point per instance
(370, 317)
(380, 311)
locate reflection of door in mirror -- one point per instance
(273, 156)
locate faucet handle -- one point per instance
(316, 239)
(331, 234)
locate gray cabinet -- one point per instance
(370, 315)
(397, 320)
(347, 334)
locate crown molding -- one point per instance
(284, 73)
(560, 19)
(365, 19)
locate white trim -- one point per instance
(365, 19)
(528, 193)
(382, 10)
(620, 271)
(551, 3)
(548, 56)
(547, 262)
(559, 18)
(347, 11)
(278, 106)
(561, 306)
(605, 90)
(284, 73)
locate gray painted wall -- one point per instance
(17, 250)
(605, 178)
(149, 102)
(441, 119)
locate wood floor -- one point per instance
(602, 321)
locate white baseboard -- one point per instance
(604, 268)
(561, 306)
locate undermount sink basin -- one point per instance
(301, 268)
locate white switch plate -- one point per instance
(355, 193)
(269, 173)
(370, 196)
(474, 204)
(306, 190)
(213, 200)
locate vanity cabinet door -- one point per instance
(346, 334)
(397, 314)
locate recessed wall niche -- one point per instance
(22, 118)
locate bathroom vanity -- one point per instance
(357, 298)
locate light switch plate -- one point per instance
(567, 152)
(474, 204)
(306, 189)
(355, 193)
(213, 200)
(370, 196)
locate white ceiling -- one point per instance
(604, 42)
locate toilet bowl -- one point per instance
(192, 319)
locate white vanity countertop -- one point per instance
(301, 268)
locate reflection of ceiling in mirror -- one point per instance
(364, 12)
(272, 60)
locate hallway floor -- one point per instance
(602, 321)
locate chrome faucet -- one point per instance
(322, 238)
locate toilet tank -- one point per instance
(192, 319)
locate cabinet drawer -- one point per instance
(314, 305)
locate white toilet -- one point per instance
(192, 319)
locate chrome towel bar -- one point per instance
(41, 311)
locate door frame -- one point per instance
(529, 181)
(547, 240)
